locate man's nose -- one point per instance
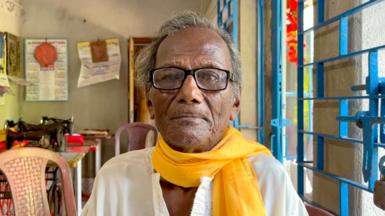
(189, 92)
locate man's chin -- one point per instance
(185, 138)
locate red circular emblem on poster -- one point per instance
(45, 54)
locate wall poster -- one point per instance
(12, 50)
(46, 68)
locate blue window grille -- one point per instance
(372, 121)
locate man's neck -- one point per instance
(179, 200)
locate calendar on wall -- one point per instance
(46, 69)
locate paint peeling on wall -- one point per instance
(11, 6)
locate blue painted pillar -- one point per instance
(370, 131)
(320, 89)
(261, 73)
(300, 103)
(277, 25)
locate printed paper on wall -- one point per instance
(92, 72)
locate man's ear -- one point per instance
(235, 108)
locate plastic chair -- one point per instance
(137, 135)
(25, 172)
(316, 211)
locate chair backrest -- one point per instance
(316, 211)
(25, 172)
(137, 134)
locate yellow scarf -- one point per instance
(235, 189)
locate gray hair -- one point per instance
(147, 57)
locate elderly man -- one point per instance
(200, 165)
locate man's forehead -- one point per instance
(173, 61)
(192, 36)
(194, 41)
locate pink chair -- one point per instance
(25, 172)
(137, 135)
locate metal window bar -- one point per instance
(230, 9)
(370, 119)
(347, 139)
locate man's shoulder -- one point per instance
(138, 161)
(279, 195)
(266, 161)
(123, 185)
(268, 169)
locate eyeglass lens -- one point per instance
(206, 78)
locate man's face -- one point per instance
(191, 119)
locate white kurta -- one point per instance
(127, 186)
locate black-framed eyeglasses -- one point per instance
(172, 78)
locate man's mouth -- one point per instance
(192, 117)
